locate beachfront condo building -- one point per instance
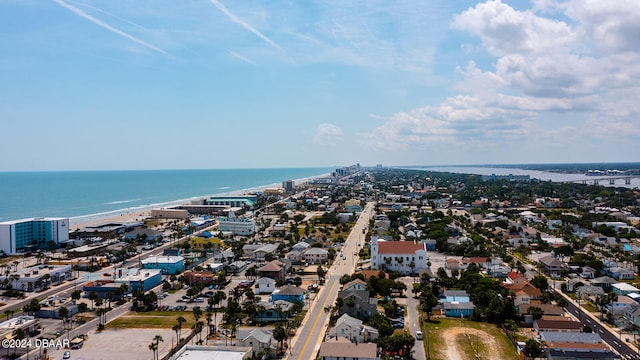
(31, 234)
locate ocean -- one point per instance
(80, 194)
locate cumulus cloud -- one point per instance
(328, 134)
(552, 79)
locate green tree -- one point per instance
(279, 334)
(540, 282)
(532, 349)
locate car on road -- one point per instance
(418, 335)
(66, 355)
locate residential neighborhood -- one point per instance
(376, 263)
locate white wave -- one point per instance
(121, 202)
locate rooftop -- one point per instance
(344, 348)
(399, 247)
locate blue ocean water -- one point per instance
(84, 193)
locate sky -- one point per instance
(164, 84)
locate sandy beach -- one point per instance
(79, 223)
(127, 215)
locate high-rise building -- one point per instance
(31, 234)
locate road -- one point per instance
(412, 321)
(308, 338)
(605, 333)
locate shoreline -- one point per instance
(141, 212)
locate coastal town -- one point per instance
(366, 263)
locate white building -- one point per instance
(401, 256)
(31, 234)
(236, 225)
(38, 278)
(353, 329)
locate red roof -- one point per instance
(514, 275)
(399, 247)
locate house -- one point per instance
(452, 264)
(458, 309)
(552, 266)
(301, 246)
(619, 273)
(355, 284)
(291, 294)
(405, 257)
(498, 271)
(316, 256)
(456, 295)
(295, 257)
(357, 303)
(265, 285)
(260, 253)
(278, 310)
(343, 349)
(547, 309)
(248, 249)
(353, 329)
(274, 269)
(605, 282)
(557, 324)
(524, 292)
(623, 289)
(589, 292)
(237, 266)
(588, 272)
(256, 339)
(619, 306)
(457, 304)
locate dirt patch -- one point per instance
(465, 343)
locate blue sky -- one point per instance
(89, 84)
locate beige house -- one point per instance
(316, 256)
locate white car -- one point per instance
(418, 335)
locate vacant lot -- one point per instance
(453, 339)
(152, 320)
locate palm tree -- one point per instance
(209, 321)
(153, 347)
(156, 340)
(176, 328)
(180, 321)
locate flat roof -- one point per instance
(11, 222)
(194, 352)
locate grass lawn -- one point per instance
(152, 320)
(438, 343)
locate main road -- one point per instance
(307, 340)
(614, 340)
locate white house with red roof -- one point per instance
(402, 256)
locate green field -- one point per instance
(445, 333)
(152, 320)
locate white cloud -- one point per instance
(328, 134)
(552, 80)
